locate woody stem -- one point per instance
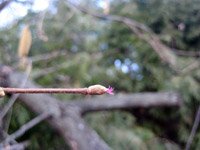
(46, 90)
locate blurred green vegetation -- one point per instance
(108, 53)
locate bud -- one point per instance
(2, 93)
(99, 90)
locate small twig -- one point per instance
(190, 67)
(187, 53)
(27, 126)
(194, 130)
(40, 30)
(45, 90)
(92, 90)
(51, 55)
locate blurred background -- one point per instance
(75, 49)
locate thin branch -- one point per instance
(187, 53)
(120, 101)
(46, 71)
(3, 136)
(165, 53)
(45, 90)
(40, 31)
(27, 127)
(91, 90)
(195, 64)
(46, 56)
(4, 4)
(141, 31)
(194, 130)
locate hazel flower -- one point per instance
(99, 90)
(110, 90)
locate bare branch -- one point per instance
(40, 31)
(66, 116)
(46, 56)
(187, 53)
(162, 99)
(195, 64)
(141, 31)
(17, 146)
(194, 130)
(4, 4)
(27, 126)
(165, 53)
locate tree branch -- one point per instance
(187, 53)
(194, 130)
(66, 120)
(165, 53)
(66, 116)
(27, 126)
(141, 31)
(145, 100)
(4, 4)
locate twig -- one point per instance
(165, 53)
(190, 67)
(40, 30)
(194, 130)
(46, 71)
(141, 30)
(27, 126)
(52, 55)
(92, 90)
(187, 53)
(3, 136)
(127, 101)
(45, 90)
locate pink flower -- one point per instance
(110, 90)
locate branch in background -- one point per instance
(187, 53)
(40, 31)
(4, 4)
(126, 101)
(67, 116)
(27, 127)
(141, 31)
(192, 66)
(165, 53)
(16, 146)
(47, 71)
(194, 130)
(3, 136)
(47, 56)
